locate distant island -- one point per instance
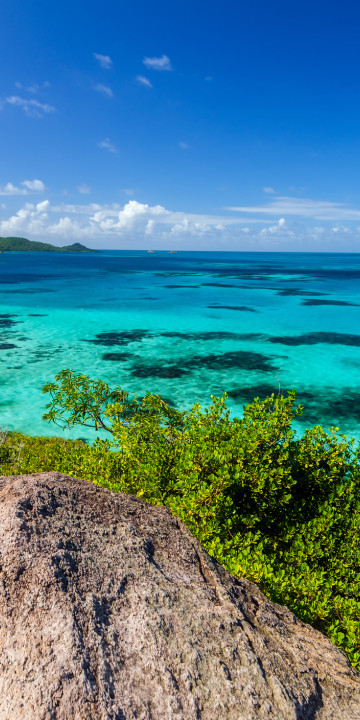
(20, 244)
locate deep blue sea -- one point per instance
(186, 325)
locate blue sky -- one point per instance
(193, 125)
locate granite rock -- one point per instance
(111, 610)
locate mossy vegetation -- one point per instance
(280, 510)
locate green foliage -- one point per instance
(20, 244)
(279, 510)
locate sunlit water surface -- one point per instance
(185, 325)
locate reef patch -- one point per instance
(123, 337)
(143, 370)
(211, 335)
(6, 320)
(183, 287)
(236, 359)
(289, 292)
(117, 357)
(239, 308)
(316, 338)
(223, 285)
(341, 303)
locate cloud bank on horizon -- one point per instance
(249, 150)
(140, 225)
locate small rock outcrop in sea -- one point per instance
(111, 610)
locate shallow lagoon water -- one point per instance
(185, 325)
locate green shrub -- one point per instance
(279, 510)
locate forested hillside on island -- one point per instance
(20, 244)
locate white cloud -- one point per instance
(29, 186)
(35, 88)
(42, 206)
(108, 145)
(82, 209)
(281, 227)
(128, 191)
(298, 191)
(183, 145)
(139, 225)
(84, 189)
(158, 63)
(131, 211)
(302, 207)
(67, 228)
(34, 185)
(143, 81)
(269, 190)
(133, 221)
(33, 108)
(104, 89)
(30, 219)
(10, 189)
(150, 226)
(104, 61)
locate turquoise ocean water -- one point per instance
(185, 325)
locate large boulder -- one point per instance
(111, 610)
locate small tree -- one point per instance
(280, 510)
(78, 400)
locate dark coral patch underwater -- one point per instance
(117, 357)
(158, 370)
(240, 359)
(184, 287)
(341, 303)
(326, 407)
(248, 393)
(289, 292)
(218, 284)
(236, 359)
(211, 335)
(316, 338)
(111, 339)
(124, 337)
(239, 308)
(6, 320)
(333, 408)
(177, 274)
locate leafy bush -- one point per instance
(279, 510)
